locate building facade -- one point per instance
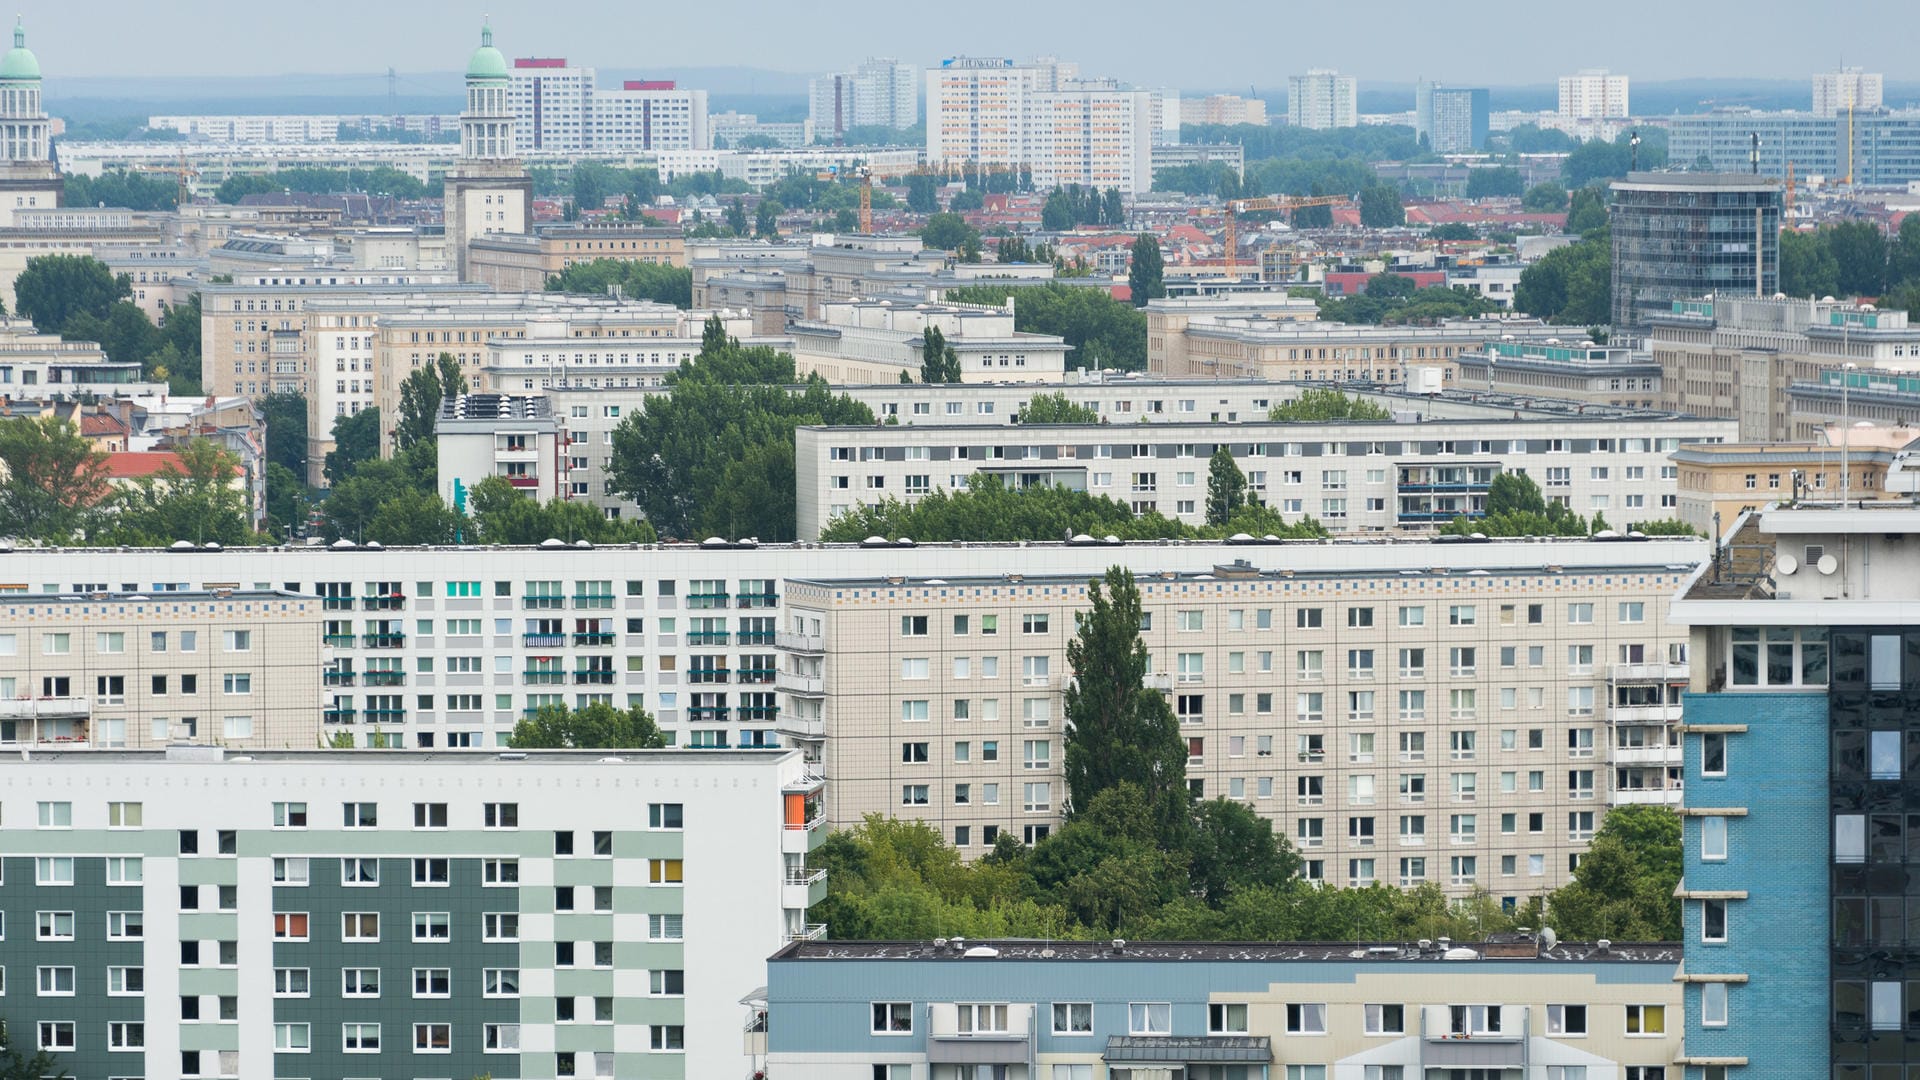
(560, 109)
(28, 177)
(1452, 119)
(947, 1009)
(488, 192)
(1681, 236)
(1323, 99)
(550, 914)
(1225, 110)
(525, 263)
(1849, 90)
(1583, 371)
(881, 92)
(1593, 94)
(877, 341)
(1043, 117)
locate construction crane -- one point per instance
(182, 171)
(863, 174)
(1283, 203)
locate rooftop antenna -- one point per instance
(1753, 152)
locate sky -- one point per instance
(1222, 44)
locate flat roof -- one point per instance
(1265, 952)
(15, 599)
(201, 755)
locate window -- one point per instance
(501, 926)
(126, 925)
(431, 926)
(125, 981)
(1473, 1019)
(1149, 1018)
(433, 1038)
(664, 928)
(1647, 1019)
(1306, 1019)
(432, 982)
(360, 1038)
(1385, 1019)
(54, 925)
(500, 982)
(56, 815)
(1566, 1019)
(501, 815)
(53, 870)
(360, 815)
(429, 815)
(1713, 839)
(431, 873)
(1226, 1019)
(123, 815)
(671, 1037)
(290, 926)
(500, 1038)
(981, 1018)
(291, 982)
(664, 871)
(359, 982)
(55, 982)
(1713, 920)
(1713, 754)
(1713, 1004)
(56, 1034)
(360, 926)
(892, 1018)
(126, 1035)
(1073, 1018)
(359, 872)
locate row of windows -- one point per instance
(1227, 1018)
(1189, 620)
(437, 1038)
(108, 642)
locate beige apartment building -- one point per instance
(1721, 481)
(1456, 713)
(239, 669)
(511, 262)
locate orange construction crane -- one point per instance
(1283, 203)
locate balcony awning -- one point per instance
(1189, 1049)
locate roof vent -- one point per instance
(1604, 944)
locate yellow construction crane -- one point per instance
(1283, 203)
(182, 171)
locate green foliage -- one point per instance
(383, 180)
(1623, 888)
(1515, 507)
(1146, 270)
(1452, 230)
(1319, 405)
(1206, 178)
(1572, 285)
(1903, 255)
(939, 362)
(133, 190)
(1226, 487)
(881, 135)
(502, 514)
(1601, 160)
(596, 726)
(286, 420)
(421, 393)
(125, 333)
(1849, 258)
(54, 480)
(1545, 198)
(1380, 207)
(1498, 182)
(1073, 205)
(1101, 331)
(180, 345)
(736, 217)
(1534, 139)
(16, 1065)
(195, 500)
(1586, 210)
(636, 280)
(1515, 493)
(687, 457)
(1392, 299)
(356, 439)
(923, 194)
(1860, 251)
(949, 232)
(1807, 265)
(593, 184)
(1054, 408)
(989, 511)
(286, 499)
(1362, 144)
(1119, 730)
(968, 199)
(1014, 249)
(52, 289)
(766, 220)
(1665, 527)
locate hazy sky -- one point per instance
(1226, 43)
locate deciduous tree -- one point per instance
(55, 481)
(1119, 729)
(939, 362)
(1226, 487)
(596, 726)
(1145, 270)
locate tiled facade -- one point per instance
(543, 915)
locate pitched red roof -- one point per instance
(134, 464)
(97, 425)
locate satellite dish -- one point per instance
(1549, 938)
(1827, 564)
(1786, 564)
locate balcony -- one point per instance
(707, 714)
(384, 716)
(1644, 714)
(949, 1044)
(804, 837)
(761, 713)
(706, 601)
(808, 932)
(1036, 681)
(338, 641)
(523, 481)
(336, 716)
(532, 711)
(1494, 1050)
(708, 675)
(35, 708)
(602, 678)
(336, 678)
(383, 641)
(1660, 673)
(543, 641)
(385, 678)
(803, 888)
(1646, 755)
(543, 677)
(594, 639)
(798, 726)
(795, 683)
(755, 675)
(803, 643)
(706, 637)
(1162, 681)
(383, 603)
(756, 599)
(593, 600)
(337, 603)
(543, 603)
(1646, 797)
(756, 637)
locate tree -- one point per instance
(54, 479)
(1391, 286)
(194, 499)
(1234, 849)
(1054, 408)
(1515, 493)
(1145, 270)
(1452, 230)
(949, 232)
(356, 438)
(412, 516)
(1807, 265)
(1498, 182)
(1380, 207)
(180, 331)
(939, 362)
(922, 193)
(1860, 252)
(1316, 406)
(1101, 332)
(635, 280)
(421, 393)
(1623, 888)
(766, 220)
(1119, 729)
(1226, 487)
(52, 289)
(503, 514)
(1572, 285)
(1545, 198)
(1903, 255)
(286, 498)
(286, 420)
(135, 191)
(595, 726)
(15, 1065)
(1586, 210)
(736, 216)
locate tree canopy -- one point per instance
(1623, 888)
(503, 514)
(1146, 270)
(594, 726)
(1500, 181)
(1319, 405)
(939, 362)
(421, 393)
(1055, 408)
(1226, 487)
(1118, 728)
(1101, 331)
(635, 280)
(1380, 207)
(55, 479)
(52, 289)
(1571, 285)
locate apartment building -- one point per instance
(1223, 109)
(1718, 483)
(1593, 94)
(515, 263)
(43, 366)
(1572, 371)
(871, 341)
(1353, 477)
(1322, 99)
(1775, 364)
(946, 1009)
(1849, 90)
(194, 913)
(99, 665)
(561, 109)
(482, 435)
(1451, 119)
(1795, 917)
(1463, 714)
(881, 92)
(1044, 117)
(1681, 236)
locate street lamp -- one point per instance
(1846, 431)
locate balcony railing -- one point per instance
(336, 678)
(383, 641)
(338, 641)
(796, 683)
(809, 932)
(543, 602)
(385, 678)
(383, 603)
(543, 641)
(759, 712)
(707, 713)
(756, 675)
(756, 599)
(708, 675)
(757, 637)
(594, 639)
(602, 677)
(337, 603)
(811, 643)
(804, 875)
(336, 716)
(706, 601)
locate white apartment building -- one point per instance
(1454, 713)
(1835, 92)
(90, 666)
(199, 913)
(881, 92)
(1323, 99)
(873, 341)
(562, 109)
(1593, 94)
(482, 435)
(1223, 109)
(1041, 116)
(1353, 477)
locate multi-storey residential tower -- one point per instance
(1322, 99)
(1593, 94)
(1453, 119)
(881, 92)
(1837, 93)
(1041, 117)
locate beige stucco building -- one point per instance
(1721, 481)
(517, 263)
